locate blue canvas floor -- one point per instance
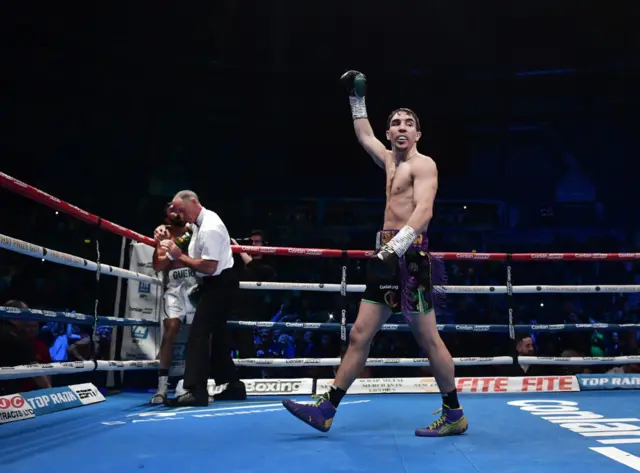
(370, 434)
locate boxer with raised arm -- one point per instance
(402, 274)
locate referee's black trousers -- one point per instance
(208, 347)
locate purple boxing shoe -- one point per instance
(451, 422)
(318, 415)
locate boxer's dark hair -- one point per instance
(409, 112)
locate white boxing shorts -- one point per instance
(179, 284)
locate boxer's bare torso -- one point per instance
(400, 196)
(412, 178)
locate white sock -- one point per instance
(163, 383)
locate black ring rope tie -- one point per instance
(92, 343)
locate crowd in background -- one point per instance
(535, 309)
(50, 286)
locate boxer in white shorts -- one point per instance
(179, 282)
(178, 285)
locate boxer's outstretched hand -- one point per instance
(355, 83)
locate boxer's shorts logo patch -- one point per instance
(390, 298)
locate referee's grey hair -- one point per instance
(186, 195)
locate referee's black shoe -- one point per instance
(236, 391)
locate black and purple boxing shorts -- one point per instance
(414, 286)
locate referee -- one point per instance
(210, 256)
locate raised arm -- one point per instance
(356, 84)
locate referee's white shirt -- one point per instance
(211, 241)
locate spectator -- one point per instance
(573, 369)
(257, 265)
(526, 347)
(629, 343)
(249, 305)
(308, 349)
(327, 346)
(16, 349)
(31, 329)
(284, 347)
(629, 368)
(68, 343)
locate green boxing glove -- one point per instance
(182, 242)
(356, 84)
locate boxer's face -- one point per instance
(174, 219)
(403, 133)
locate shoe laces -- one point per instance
(320, 398)
(440, 420)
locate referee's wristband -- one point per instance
(169, 257)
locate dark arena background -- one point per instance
(529, 110)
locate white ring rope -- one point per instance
(25, 371)
(449, 328)
(10, 313)
(29, 249)
(467, 361)
(320, 287)
(35, 251)
(586, 360)
(281, 363)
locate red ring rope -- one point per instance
(30, 192)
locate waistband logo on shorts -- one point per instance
(183, 273)
(383, 237)
(389, 286)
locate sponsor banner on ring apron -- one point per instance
(14, 407)
(597, 382)
(261, 387)
(145, 301)
(47, 401)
